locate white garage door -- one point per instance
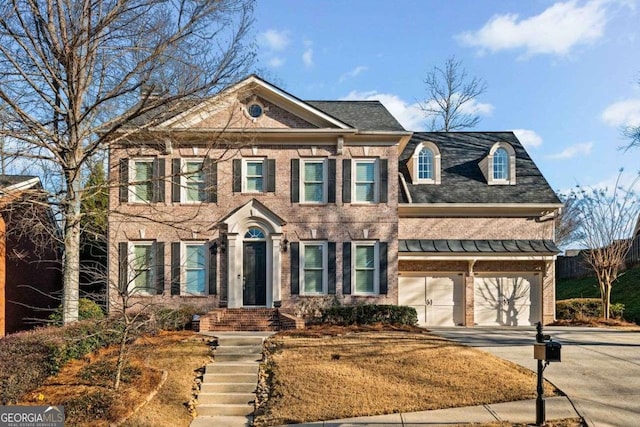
(507, 300)
(437, 299)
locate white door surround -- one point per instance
(253, 214)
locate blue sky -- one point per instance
(564, 74)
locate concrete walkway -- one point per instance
(522, 412)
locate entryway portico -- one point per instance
(254, 235)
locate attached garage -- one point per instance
(507, 299)
(437, 298)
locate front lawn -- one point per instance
(333, 373)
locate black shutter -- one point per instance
(331, 270)
(295, 180)
(210, 169)
(346, 268)
(346, 181)
(237, 175)
(213, 272)
(331, 178)
(271, 175)
(123, 278)
(175, 268)
(175, 180)
(124, 180)
(158, 259)
(383, 267)
(384, 181)
(294, 249)
(158, 180)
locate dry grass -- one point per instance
(597, 322)
(179, 353)
(341, 373)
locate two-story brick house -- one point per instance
(255, 198)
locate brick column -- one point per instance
(548, 293)
(469, 288)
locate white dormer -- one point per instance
(424, 164)
(499, 167)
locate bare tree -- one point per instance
(567, 223)
(633, 133)
(76, 74)
(608, 220)
(450, 97)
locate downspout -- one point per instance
(405, 188)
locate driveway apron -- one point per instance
(599, 372)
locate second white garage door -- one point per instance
(436, 298)
(507, 300)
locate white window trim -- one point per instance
(414, 164)
(376, 266)
(183, 180)
(486, 165)
(244, 174)
(325, 266)
(183, 267)
(130, 273)
(133, 198)
(325, 184)
(376, 181)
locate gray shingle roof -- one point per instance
(362, 115)
(462, 180)
(478, 246)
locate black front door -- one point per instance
(254, 287)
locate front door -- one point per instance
(254, 286)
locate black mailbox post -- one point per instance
(544, 350)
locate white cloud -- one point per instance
(409, 115)
(623, 113)
(274, 40)
(528, 138)
(557, 30)
(573, 151)
(475, 107)
(276, 62)
(353, 73)
(307, 58)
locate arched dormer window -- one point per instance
(499, 166)
(424, 164)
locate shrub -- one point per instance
(174, 319)
(87, 309)
(103, 373)
(577, 308)
(28, 358)
(91, 406)
(370, 313)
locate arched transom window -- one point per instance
(254, 233)
(425, 164)
(500, 164)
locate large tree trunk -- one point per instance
(71, 259)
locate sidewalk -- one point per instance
(522, 412)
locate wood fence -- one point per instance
(571, 267)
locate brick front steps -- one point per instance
(248, 319)
(227, 392)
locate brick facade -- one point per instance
(475, 228)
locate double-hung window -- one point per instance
(141, 178)
(365, 184)
(194, 268)
(254, 178)
(314, 182)
(140, 268)
(193, 181)
(425, 164)
(366, 268)
(313, 266)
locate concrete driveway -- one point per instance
(600, 368)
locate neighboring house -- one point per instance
(255, 198)
(30, 281)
